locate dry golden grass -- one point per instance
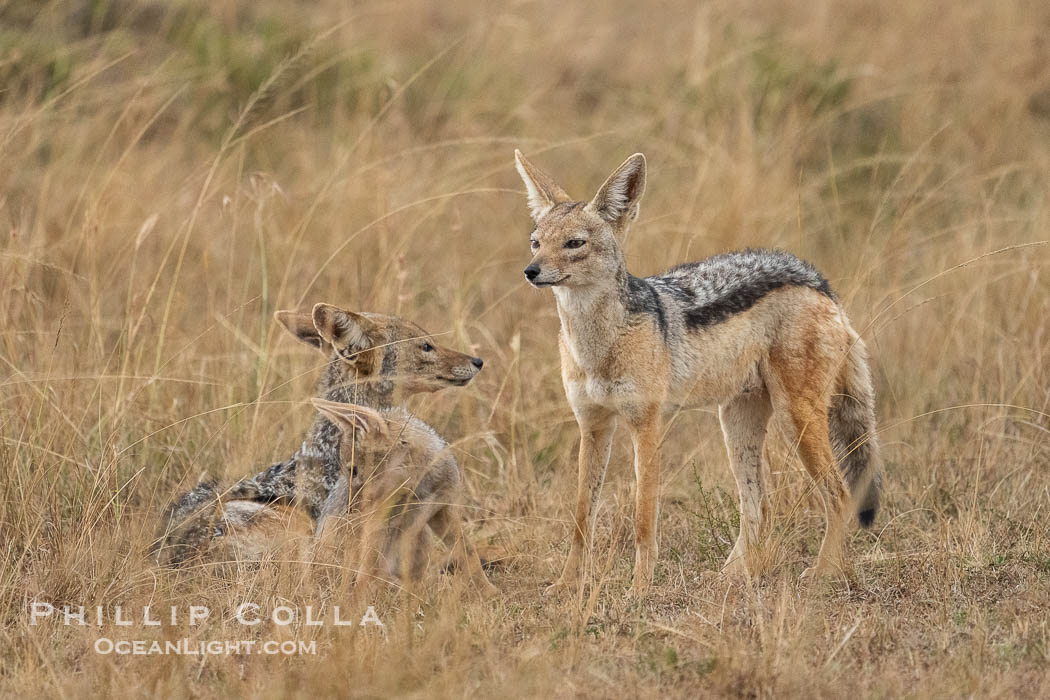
(173, 172)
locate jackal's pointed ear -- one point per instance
(342, 328)
(348, 417)
(618, 199)
(301, 325)
(543, 192)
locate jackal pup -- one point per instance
(373, 360)
(756, 332)
(401, 480)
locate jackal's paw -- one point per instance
(639, 589)
(558, 588)
(827, 574)
(735, 566)
(812, 573)
(713, 577)
(818, 573)
(486, 590)
(569, 582)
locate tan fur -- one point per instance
(785, 354)
(239, 532)
(405, 480)
(374, 360)
(378, 353)
(256, 531)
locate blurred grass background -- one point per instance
(173, 172)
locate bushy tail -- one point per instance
(851, 420)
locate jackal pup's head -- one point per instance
(574, 243)
(364, 347)
(392, 437)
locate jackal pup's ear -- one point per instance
(349, 417)
(543, 192)
(301, 325)
(343, 329)
(618, 199)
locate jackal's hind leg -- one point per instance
(744, 420)
(800, 376)
(814, 448)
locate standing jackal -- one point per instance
(756, 332)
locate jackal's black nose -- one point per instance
(477, 362)
(532, 271)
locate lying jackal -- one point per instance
(755, 332)
(373, 360)
(404, 480)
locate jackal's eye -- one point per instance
(534, 243)
(426, 347)
(575, 243)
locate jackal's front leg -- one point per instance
(447, 523)
(646, 428)
(596, 433)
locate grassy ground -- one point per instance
(173, 172)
